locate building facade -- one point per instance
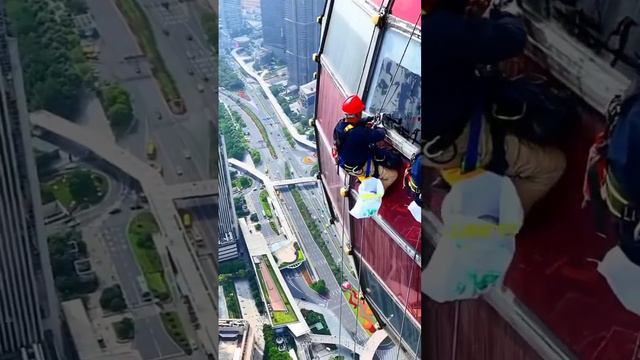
(273, 27)
(29, 312)
(302, 38)
(231, 16)
(228, 231)
(308, 98)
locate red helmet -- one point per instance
(353, 105)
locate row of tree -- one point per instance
(231, 129)
(111, 299)
(54, 66)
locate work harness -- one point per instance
(367, 169)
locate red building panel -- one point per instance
(392, 265)
(408, 10)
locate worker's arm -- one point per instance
(487, 41)
(376, 134)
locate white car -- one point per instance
(179, 170)
(186, 153)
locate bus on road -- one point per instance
(151, 150)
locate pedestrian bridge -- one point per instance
(344, 341)
(294, 181)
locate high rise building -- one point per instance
(302, 35)
(29, 312)
(231, 16)
(228, 231)
(273, 27)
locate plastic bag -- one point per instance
(623, 276)
(416, 211)
(482, 216)
(369, 200)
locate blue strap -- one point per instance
(470, 160)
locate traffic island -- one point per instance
(76, 188)
(140, 234)
(141, 28)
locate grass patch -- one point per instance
(287, 135)
(173, 325)
(231, 298)
(148, 258)
(265, 204)
(277, 317)
(261, 128)
(60, 189)
(141, 27)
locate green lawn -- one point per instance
(59, 188)
(148, 259)
(172, 323)
(261, 129)
(265, 203)
(140, 26)
(278, 317)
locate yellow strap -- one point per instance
(367, 196)
(454, 175)
(362, 178)
(348, 127)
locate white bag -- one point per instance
(416, 211)
(370, 194)
(624, 278)
(482, 216)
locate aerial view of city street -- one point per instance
(289, 274)
(120, 97)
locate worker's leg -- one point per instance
(534, 169)
(387, 176)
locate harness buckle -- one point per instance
(629, 214)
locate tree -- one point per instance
(253, 217)
(255, 156)
(81, 187)
(120, 116)
(146, 242)
(258, 227)
(320, 287)
(109, 295)
(117, 304)
(77, 7)
(125, 328)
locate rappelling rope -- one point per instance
(364, 65)
(406, 300)
(360, 292)
(344, 225)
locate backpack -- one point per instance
(534, 111)
(413, 178)
(613, 172)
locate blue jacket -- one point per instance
(624, 149)
(452, 47)
(359, 143)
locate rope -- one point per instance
(360, 287)
(344, 206)
(393, 78)
(406, 300)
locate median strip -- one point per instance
(141, 28)
(260, 126)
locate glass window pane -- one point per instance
(402, 98)
(347, 41)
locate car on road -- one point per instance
(205, 78)
(186, 153)
(179, 170)
(165, 31)
(190, 71)
(189, 37)
(115, 211)
(200, 88)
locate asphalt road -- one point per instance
(172, 134)
(151, 341)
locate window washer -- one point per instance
(457, 40)
(356, 148)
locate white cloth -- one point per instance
(370, 193)
(624, 278)
(481, 216)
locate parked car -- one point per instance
(179, 170)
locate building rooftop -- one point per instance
(308, 88)
(81, 329)
(233, 334)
